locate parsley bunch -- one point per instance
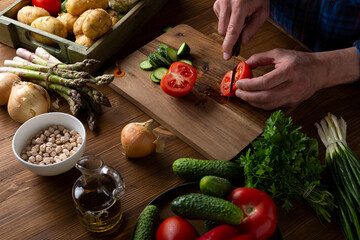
(284, 163)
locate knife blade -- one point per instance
(235, 53)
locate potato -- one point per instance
(77, 7)
(114, 16)
(84, 40)
(79, 22)
(68, 20)
(28, 14)
(51, 25)
(97, 23)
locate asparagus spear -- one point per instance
(19, 59)
(55, 71)
(91, 117)
(32, 57)
(44, 76)
(41, 52)
(96, 95)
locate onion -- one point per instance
(6, 82)
(138, 140)
(27, 100)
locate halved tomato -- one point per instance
(179, 79)
(242, 71)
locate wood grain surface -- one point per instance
(35, 207)
(203, 118)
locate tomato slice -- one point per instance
(179, 79)
(242, 71)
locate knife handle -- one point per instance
(236, 47)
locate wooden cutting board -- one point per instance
(204, 119)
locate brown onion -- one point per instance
(137, 139)
(27, 100)
(6, 82)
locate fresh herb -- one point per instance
(284, 163)
(344, 168)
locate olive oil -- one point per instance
(97, 210)
(97, 194)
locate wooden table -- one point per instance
(36, 207)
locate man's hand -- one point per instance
(297, 76)
(232, 14)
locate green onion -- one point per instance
(344, 168)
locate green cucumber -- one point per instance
(171, 53)
(163, 45)
(154, 79)
(151, 60)
(194, 169)
(186, 61)
(146, 65)
(215, 186)
(203, 207)
(160, 72)
(184, 50)
(147, 224)
(154, 57)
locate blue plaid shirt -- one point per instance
(322, 25)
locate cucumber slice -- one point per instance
(154, 79)
(160, 72)
(184, 50)
(171, 53)
(163, 45)
(152, 62)
(186, 61)
(162, 52)
(146, 65)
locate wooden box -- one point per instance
(16, 34)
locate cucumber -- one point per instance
(145, 65)
(194, 169)
(163, 53)
(163, 45)
(208, 225)
(186, 61)
(215, 186)
(160, 72)
(184, 50)
(147, 224)
(154, 79)
(203, 207)
(154, 57)
(171, 53)
(151, 61)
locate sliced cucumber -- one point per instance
(172, 54)
(186, 61)
(184, 50)
(160, 72)
(154, 79)
(164, 60)
(146, 65)
(163, 45)
(152, 62)
(163, 53)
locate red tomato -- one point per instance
(176, 228)
(52, 6)
(259, 211)
(179, 79)
(244, 237)
(242, 71)
(222, 232)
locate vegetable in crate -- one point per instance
(52, 6)
(283, 162)
(51, 25)
(344, 169)
(77, 7)
(122, 5)
(28, 14)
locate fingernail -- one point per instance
(237, 93)
(226, 56)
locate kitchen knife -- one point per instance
(235, 53)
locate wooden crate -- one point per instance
(16, 34)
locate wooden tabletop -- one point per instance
(36, 207)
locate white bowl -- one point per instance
(33, 126)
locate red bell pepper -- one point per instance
(222, 232)
(244, 237)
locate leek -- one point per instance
(344, 168)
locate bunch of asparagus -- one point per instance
(70, 81)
